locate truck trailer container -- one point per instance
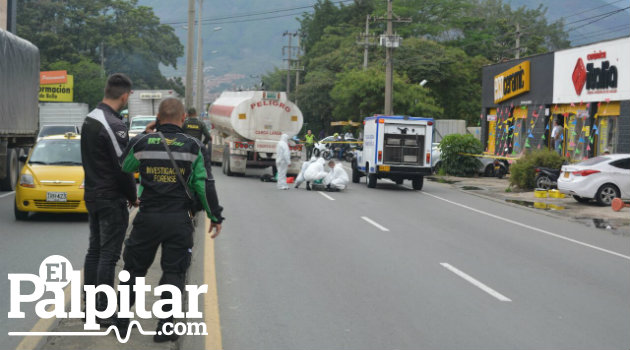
(19, 94)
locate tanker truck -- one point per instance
(246, 127)
(19, 114)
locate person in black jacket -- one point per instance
(166, 206)
(108, 191)
(195, 127)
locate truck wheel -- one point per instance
(226, 161)
(417, 183)
(19, 215)
(13, 170)
(371, 180)
(356, 176)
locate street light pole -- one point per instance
(200, 82)
(189, 53)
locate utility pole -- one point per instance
(189, 53)
(518, 41)
(102, 59)
(297, 71)
(390, 41)
(366, 40)
(200, 84)
(290, 48)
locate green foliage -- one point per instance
(82, 35)
(88, 80)
(453, 162)
(522, 172)
(358, 93)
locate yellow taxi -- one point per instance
(52, 179)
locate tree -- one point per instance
(360, 93)
(119, 34)
(88, 80)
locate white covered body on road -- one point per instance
(246, 127)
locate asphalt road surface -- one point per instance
(24, 245)
(393, 268)
(384, 268)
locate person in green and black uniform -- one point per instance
(195, 127)
(166, 207)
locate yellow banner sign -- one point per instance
(512, 82)
(57, 92)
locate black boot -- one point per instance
(123, 326)
(160, 337)
(308, 186)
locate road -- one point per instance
(24, 246)
(384, 268)
(298, 270)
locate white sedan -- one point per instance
(601, 178)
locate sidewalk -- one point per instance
(136, 340)
(589, 214)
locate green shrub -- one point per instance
(453, 162)
(522, 173)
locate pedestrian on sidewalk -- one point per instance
(556, 135)
(108, 191)
(309, 142)
(174, 174)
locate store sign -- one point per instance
(512, 82)
(593, 73)
(62, 92)
(53, 77)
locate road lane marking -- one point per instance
(531, 227)
(376, 224)
(211, 300)
(475, 282)
(43, 326)
(7, 194)
(325, 195)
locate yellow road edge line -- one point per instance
(45, 324)
(211, 300)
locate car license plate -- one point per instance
(383, 167)
(56, 196)
(566, 174)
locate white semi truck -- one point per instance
(396, 148)
(246, 127)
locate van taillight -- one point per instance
(430, 123)
(380, 155)
(428, 158)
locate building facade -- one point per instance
(585, 90)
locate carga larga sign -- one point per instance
(512, 82)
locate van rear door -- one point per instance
(403, 144)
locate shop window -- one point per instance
(520, 129)
(606, 134)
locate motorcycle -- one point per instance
(342, 152)
(318, 149)
(547, 178)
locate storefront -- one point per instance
(516, 97)
(585, 89)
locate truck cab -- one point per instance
(396, 148)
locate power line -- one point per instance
(597, 18)
(250, 14)
(591, 9)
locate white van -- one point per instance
(396, 148)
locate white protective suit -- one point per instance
(300, 177)
(337, 178)
(283, 159)
(315, 171)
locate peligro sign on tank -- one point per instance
(273, 103)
